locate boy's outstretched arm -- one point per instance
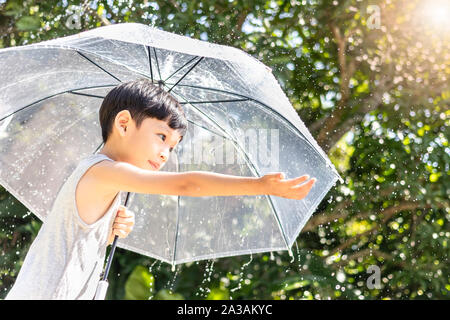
(203, 183)
(117, 176)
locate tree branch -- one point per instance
(373, 102)
(94, 13)
(368, 252)
(316, 125)
(388, 213)
(241, 19)
(322, 219)
(346, 72)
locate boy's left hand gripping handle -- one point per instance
(102, 287)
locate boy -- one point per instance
(141, 125)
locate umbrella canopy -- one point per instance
(240, 123)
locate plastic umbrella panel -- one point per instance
(240, 123)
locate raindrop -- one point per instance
(298, 257)
(151, 266)
(292, 256)
(172, 283)
(203, 289)
(154, 275)
(241, 274)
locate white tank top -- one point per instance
(67, 256)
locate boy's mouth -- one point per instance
(154, 165)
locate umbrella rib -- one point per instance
(212, 89)
(178, 220)
(190, 69)
(87, 95)
(195, 102)
(207, 129)
(99, 146)
(215, 101)
(222, 129)
(53, 95)
(255, 171)
(157, 63)
(150, 61)
(180, 68)
(248, 98)
(95, 64)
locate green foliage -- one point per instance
(218, 294)
(139, 284)
(18, 227)
(28, 23)
(165, 294)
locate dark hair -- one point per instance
(144, 100)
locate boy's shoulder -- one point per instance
(92, 194)
(93, 176)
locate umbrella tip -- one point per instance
(291, 254)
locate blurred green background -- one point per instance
(370, 79)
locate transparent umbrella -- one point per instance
(240, 123)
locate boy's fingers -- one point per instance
(298, 180)
(276, 175)
(123, 222)
(126, 220)
(120, 212)
(310, 182)
(122, 227)
(120, 233)
(124, 213)
(307, 185)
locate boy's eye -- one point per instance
(163, 139)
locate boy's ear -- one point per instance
(122, 121)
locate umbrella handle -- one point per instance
(103, 284)
(110, 257)
(102, 287)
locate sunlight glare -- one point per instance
(437, 12)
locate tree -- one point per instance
(376, 98)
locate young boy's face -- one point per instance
(150, 145)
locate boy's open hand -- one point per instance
(275, 184)
(123, 224)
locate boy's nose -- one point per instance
(164, 156)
